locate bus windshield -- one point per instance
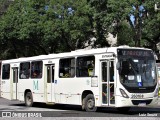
(137, 68)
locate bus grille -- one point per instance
(136, 102)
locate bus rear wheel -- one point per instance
(89, 103)
(28, 99)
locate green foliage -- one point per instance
(151, 26)
(111, 14)
(125, 35)
(33, 27)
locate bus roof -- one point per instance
(81, 52)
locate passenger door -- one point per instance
(107, 76)
(15, 83)
(50, 83)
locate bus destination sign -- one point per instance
(132, 52)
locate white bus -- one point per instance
(119, 77)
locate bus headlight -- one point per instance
(123, 93)
(156, 93)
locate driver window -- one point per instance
(125, 67)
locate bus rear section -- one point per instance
(9, 81)
(5, 81)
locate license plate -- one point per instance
(137, 96)
(142, 104)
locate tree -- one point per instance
(4, 4)
(151, 25)
(33, 27)
(99, 21)
(111, 14)
(125, 35)
(74, 24)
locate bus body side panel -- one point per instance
(69, 90)
(38, 90)
(6, 89)
(36, 86)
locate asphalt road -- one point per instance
(18, 109)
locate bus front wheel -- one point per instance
(28, 99)
(89, 103)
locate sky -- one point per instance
(132, 17)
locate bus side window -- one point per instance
(67, 68)
(24, 70)
(91, 69)
(6, 71)
(36, 69)
(85, 66)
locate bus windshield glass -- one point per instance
(137, 68)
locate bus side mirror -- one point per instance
(118, 65)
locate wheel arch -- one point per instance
(85, 93)
(88, 101)
(26, 91)
(28, 98)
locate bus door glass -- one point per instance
(107, 80)
(15, 83)
(50, 83)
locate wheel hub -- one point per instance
(90, 103)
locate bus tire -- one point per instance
(89, 103)
(83, 102)
(123, 109)
(28, 99)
